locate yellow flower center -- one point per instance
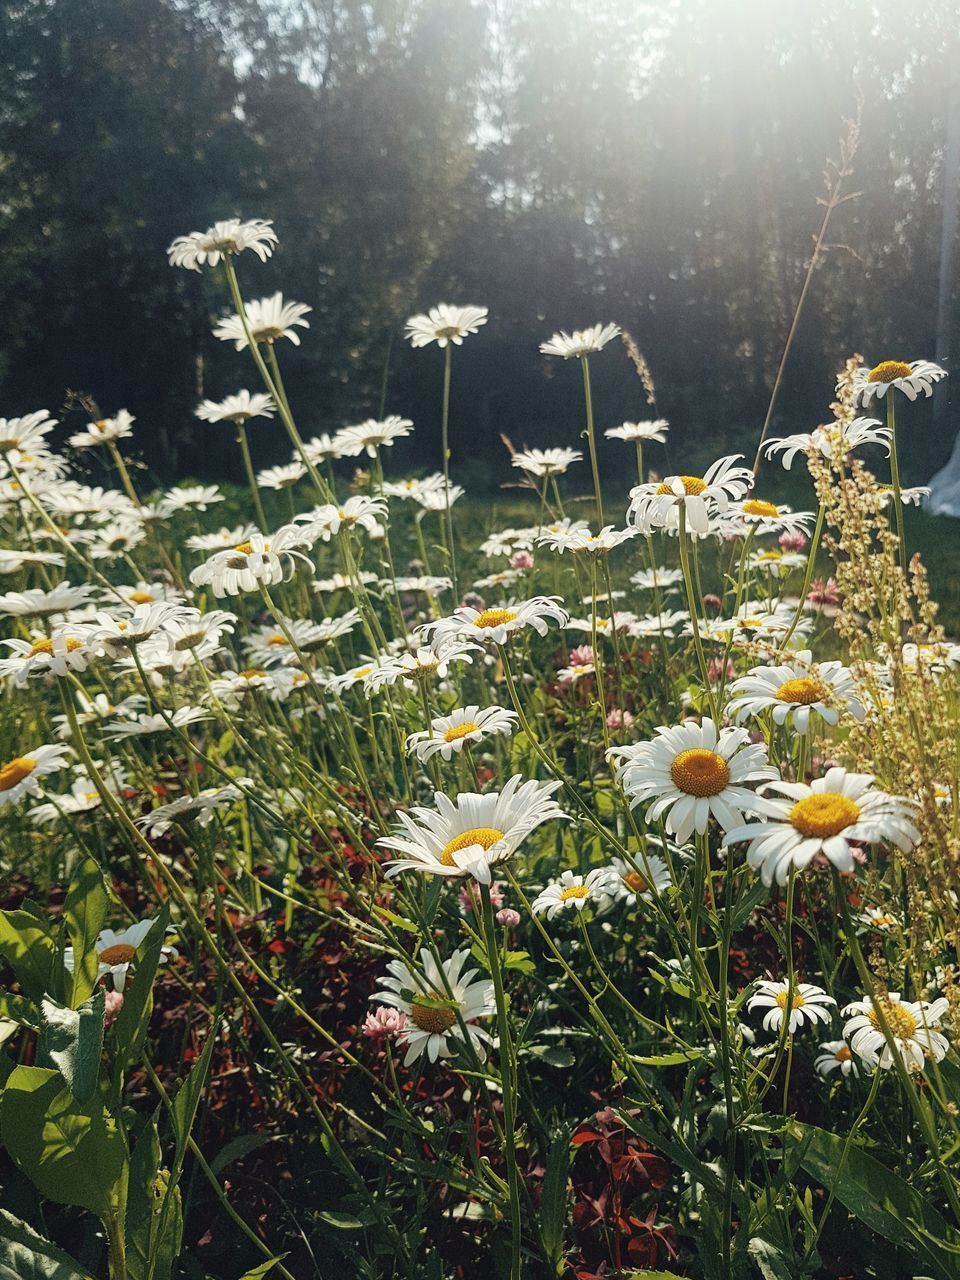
(245, 548)
(15, 771)
(119, 953)
(844, 1053)
(901, 1021)
(102, 424)
(781, 999)
(692, 486)
(251, 673)
(758, 507)
(361, 672)
(278, 639)
(635, 882)
(883, 920)
(888, 371)
(700, 772)
(483, 836)
(458, 731)
(433, 1018)
(494, 618)
(574, 892)
(140, 597)
(46, 646)
(190, 641)
(824, 815)
(804, 690)
(770, 555)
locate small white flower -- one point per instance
(691, 773)
(571, 891)
(104, 431)
(546, 462)
(658, 506)
(229, 237)
(647, 877)
(913, 379)
(237, 408)
(142, 725)
(192, 497)
(496, 625)
(67, 648)
(582, 342)
(837, 1056)
(913, 497)
(763, 517)
(25, 436)
(117, 951)
(823, 818)
(638, 432)
(282, 477)
(260, 559)
(913, 1026)
(657, 579)
(582, 540)
(754, 620)
(321, 448)
(268, 320)
(424, 663)
(327, 521)
(794, 691)
(831, 440)
(808, 1004)
(444, 323)
(20, 776)
(201, 808)
(441, 1005)
(371, 435)
(37, 603)
(475, 833)
(222, 539)
(448, 735)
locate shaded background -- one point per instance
(559, 161)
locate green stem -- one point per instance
(445, 449)
(807, 577)
(694, 621)
(251, 475)
(591, 439)
(895, 479)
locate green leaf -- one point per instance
(20, 1010)
(342, 1221)
(239, 1147)
(264, 1268)
(520, 961)
(554, 1055)
(881, 1200)
(84, 911)
(678, 1059)
(131, 1024)
(771, 1261)
(70, 1151)
(553, 1201)
(27, 945)
(26, 1256)
(151, 1251)
(73, 1040)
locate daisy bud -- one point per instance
(508, 918)
(383, 1022)
(792, 541)
(521, 560)
(113, 1003)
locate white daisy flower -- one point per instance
(754, 620)
(21, 776)
(441, 1005)
(450, 734)
(913, 379)
(546, 462)
(322, 448)
(222, 539)
(652, 624)
(507, 541)
(689, 773)
(912, 497)
(116, 951)
(580, 540)
(496, 625)
(189, 497)
(268, 320)
(571, 891)
(200, 808)
(657, 506)
(830, 440)
(282, 477)
(809, 1004)
(240, 407)
(638, 432)
(37, 603)
(877, 918)
(349, 679)
(424, 584)
(118, 635)
(648, 878)
(496, 581)
(836, 1056)
(82, 797)
(778, 564)
(764, 517)
(604, 626)
(372, 435)
(444, 323)
(327, 521)
(657, 579)
(260, 559)
(794, 691)
(199, 634)
(147, 593)
(25, 435)
(269, 645)
(913, 1025)
(142, 725)
(13, 561)
(823, 818)
(435, 499)
(423, 663)
(582, 342)
(576, 671)
(231, 236)
(67, 648)
(412, 488)
(473, 834)
(340, 582)
(104, 431)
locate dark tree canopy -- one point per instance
(559, 161)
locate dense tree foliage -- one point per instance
(657, 164)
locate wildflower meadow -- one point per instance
(399, 883)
